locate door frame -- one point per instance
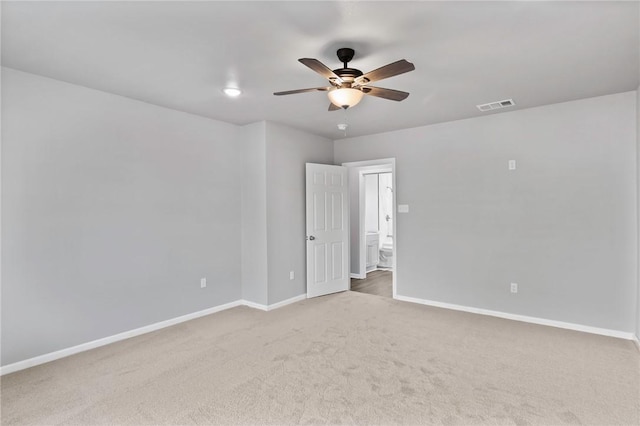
(383, 165)
(362, 201)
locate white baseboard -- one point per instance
(254, 305)
(358, 276)
(287, 302)
(522, 318)
(274, 305)
(52, 356)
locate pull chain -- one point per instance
(344, 126)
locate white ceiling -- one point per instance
(181, 54)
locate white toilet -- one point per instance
(386, 254)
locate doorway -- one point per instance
(372, 203)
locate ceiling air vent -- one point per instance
(496, 105)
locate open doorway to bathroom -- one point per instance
(372, 226)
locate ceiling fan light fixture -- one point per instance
(232, 92)
(345, 97)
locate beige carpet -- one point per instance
(349, 358)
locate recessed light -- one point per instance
(232, 92)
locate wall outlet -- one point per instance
(512, 164)
(292, 275)
(514, 287)
(203, 282)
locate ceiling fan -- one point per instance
(348, 85)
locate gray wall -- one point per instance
(638, 186)
(563, 225)
(287, 152)
(112, 211)
(254, 213)
(354, 220)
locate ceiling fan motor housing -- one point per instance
(345, 55)
(348, 74)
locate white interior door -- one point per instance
(327, 229)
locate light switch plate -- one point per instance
(403, 208)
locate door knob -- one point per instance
(311, 238)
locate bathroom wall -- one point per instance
(371, 203)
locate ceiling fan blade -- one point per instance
(390, 70)
(315, 89)
(333, 107)
(393, 95)
(321, 69)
